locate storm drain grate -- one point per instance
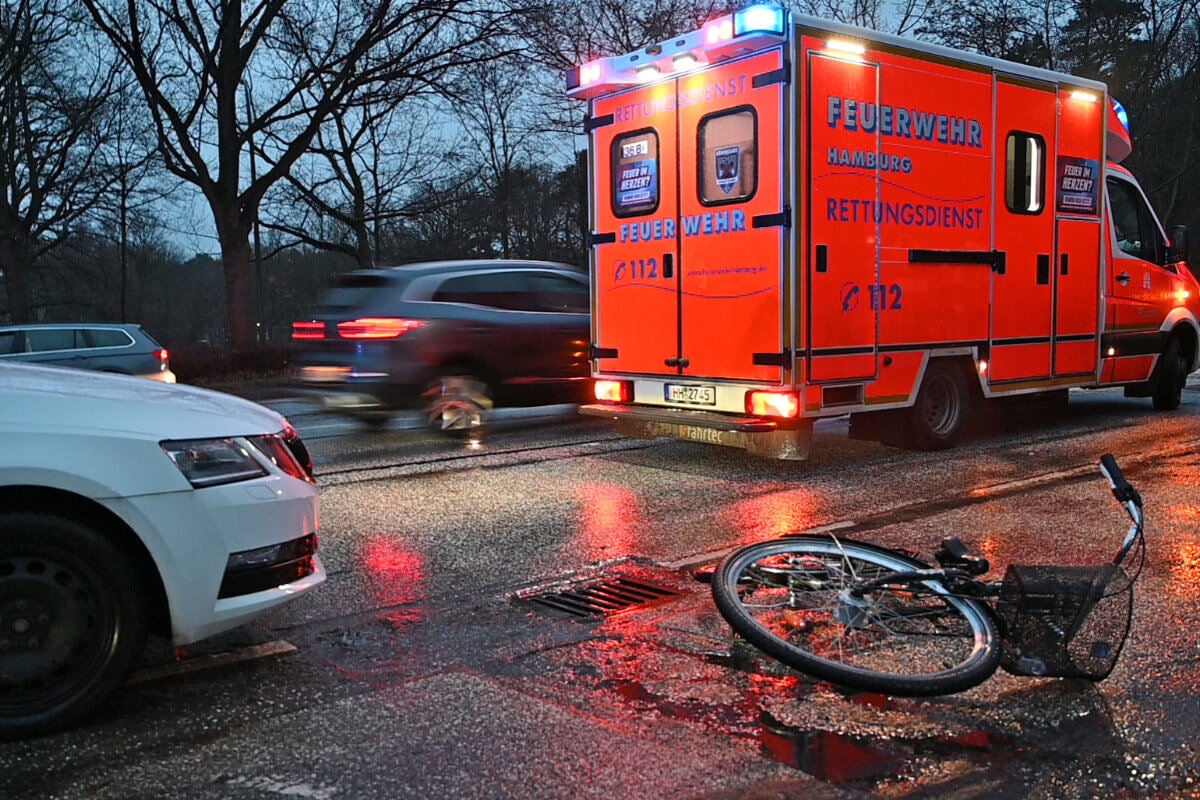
(603, 597)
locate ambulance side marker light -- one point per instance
(1181, 295)
(1085, 96)
(846, 46)
(983, 366)
(759, 18)
(608, 391)
(762, 403)
(1112, 351)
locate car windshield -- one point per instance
(348, 291)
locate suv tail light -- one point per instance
(308, 329)
(377, 327)
(162, 354)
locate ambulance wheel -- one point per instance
(1172, 375)
(938, 418)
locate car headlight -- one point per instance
(212, 462)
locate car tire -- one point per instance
(72, 621)
(456, 404)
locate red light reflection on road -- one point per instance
(1185, 569)
(609, 519)
(395, 575)
(772, 515)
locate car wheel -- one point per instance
(457, 404)
(72, 620)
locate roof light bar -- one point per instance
(719, 39)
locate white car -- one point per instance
(130, 507)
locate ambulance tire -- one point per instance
(939, 417)
(1172, 375)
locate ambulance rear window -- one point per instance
(1024, 191)
(635, 173)
(728, 156)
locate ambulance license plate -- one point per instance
(691, 393)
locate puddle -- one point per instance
(831, 757)
(844, 758)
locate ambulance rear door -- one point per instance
(843, 329)
(1079, 177)
(690, 222)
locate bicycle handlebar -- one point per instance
(1128, 497)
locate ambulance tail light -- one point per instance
(761, 403)
(607, 391)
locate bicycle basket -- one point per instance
(1064, 622)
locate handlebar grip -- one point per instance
(1108, 463)
(1121, 488)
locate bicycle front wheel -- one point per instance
(789, 598)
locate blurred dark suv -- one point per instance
(449, 337)
(107, 347)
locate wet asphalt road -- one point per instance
(426, 668)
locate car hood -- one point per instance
(61, 398)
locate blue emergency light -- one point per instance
(1121, 114)
(760, 18)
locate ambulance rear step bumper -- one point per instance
(764, 437)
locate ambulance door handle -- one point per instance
(1043, 269)
(1123, 279)
(1062, 264)
(668, 265)
(822, 258)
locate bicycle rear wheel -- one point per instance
(914, 638)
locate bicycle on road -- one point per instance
(876, 619)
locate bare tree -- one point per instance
(55, 113)
(306, 60)
(361, 173)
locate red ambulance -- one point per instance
(794, 219)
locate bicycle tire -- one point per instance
(914, 640)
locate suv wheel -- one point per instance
(456, 404)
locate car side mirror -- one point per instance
(1179, 244)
